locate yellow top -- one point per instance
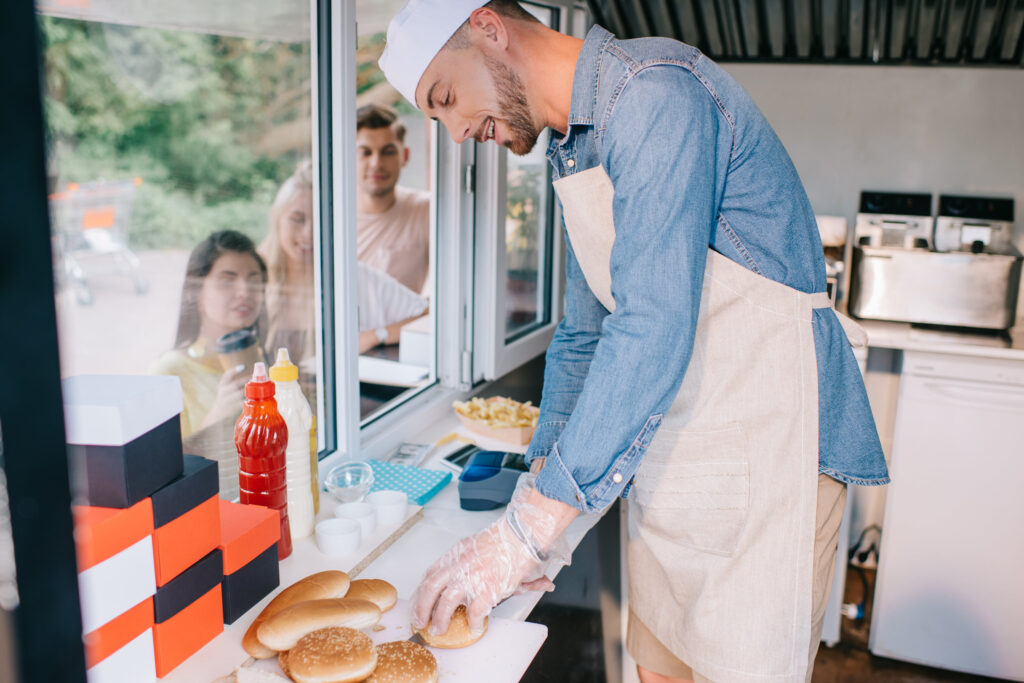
(284, 370)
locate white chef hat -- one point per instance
(416, 35)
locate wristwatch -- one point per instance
(382, 334)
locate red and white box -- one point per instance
(183, 634)
(122, 650)
(115, 561)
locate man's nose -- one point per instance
(459, 129)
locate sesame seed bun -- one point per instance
(332, 655)
(404, 662)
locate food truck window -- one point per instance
(183, 192)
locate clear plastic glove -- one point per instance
(509, 557)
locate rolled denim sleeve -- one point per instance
(666, 159)
(568, 357)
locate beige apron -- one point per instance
(722, 508)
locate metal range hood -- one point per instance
(917, 32)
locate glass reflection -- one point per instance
(288, 250)
(182, 199)
(217, 343)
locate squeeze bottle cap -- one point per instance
(259, 387)
(284, 370)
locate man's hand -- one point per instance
(479, 571)
(508, 557)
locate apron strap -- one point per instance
(820, 300)
(857, 335)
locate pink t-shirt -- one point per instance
(398, 240)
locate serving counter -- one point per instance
(400, 554)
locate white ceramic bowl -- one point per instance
(363, 513)
(338, 536)
(390, 506)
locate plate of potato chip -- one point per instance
(499, 417)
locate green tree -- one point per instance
(211, 124)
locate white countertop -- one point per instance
(905, 337)
(403, 563)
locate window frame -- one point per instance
(452, 208)
(495, 353)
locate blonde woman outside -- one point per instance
(385, 304)
(288, 252)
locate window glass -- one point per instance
(393, 237)
(527, 241)
(182, 198)
(527, 233)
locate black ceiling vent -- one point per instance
(919, 32)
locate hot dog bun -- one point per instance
(283, 630)
(329, 584)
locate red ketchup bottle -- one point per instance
(261, 438)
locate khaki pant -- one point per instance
(648, 651)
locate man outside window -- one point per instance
(393, 222)
(699, 370)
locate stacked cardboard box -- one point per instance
(116, 584)
(152, 558)
(187, 564)
(249, 535)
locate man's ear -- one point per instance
(489, 29)
(405, 156)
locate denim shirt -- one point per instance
(694, 165)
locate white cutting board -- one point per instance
(501, 656)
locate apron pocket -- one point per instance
(697, 493)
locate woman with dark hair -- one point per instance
(224, 291)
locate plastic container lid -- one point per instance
(260, 386)
(284, 370)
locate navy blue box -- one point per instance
(187, 587)
(250, 584)
(197, 482)
(121, 476)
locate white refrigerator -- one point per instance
(950, 584)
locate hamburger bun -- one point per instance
(329, 584)
(377, 591)
(458, 633)
(332, 655)
(283, 630)
(282, 661)
(404, 662)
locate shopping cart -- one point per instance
(91, 229)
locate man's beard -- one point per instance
(513, 106)
(380, 190)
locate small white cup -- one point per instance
(390, 505)
(363, 513)
(338, 536)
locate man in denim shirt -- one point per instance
(699, 369)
